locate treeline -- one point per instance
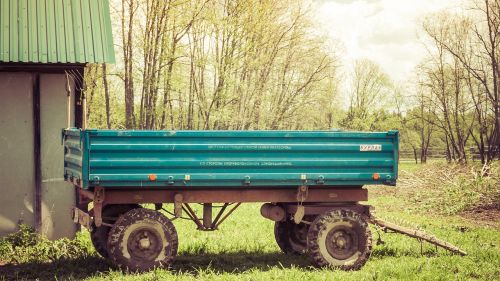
(455, 103)
(263, 64)
(217, 64)
(458, 84)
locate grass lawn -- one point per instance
(244, 249)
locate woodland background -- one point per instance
(264, 64)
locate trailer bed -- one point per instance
(165, 159)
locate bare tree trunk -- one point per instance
(127, 23)
(106, 95)
(415, 155)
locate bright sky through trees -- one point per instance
(385, 31)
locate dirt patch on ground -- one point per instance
(447, 189)
(484, 214)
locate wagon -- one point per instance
(310, 184)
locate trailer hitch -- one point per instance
(417, 234)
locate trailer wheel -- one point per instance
(142, 239)
(292, 237)
(99, 235)
(339, 239)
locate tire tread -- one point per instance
(330, 217)
(129, 219)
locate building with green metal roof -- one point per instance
(44, 47)
(55, 31)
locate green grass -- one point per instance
(244, 249)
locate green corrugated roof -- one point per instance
(55, 31)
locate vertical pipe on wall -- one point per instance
(84, 116)
(68, 109)
(84, 99)
(78, 115)
(37, 208)
(78, 98)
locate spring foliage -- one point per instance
(246, 65)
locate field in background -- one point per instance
(444, 200)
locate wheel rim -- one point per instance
(342, 242)
(144, 244)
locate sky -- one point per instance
(385, 31)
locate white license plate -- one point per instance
(370, 147)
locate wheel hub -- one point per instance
(144, 244)
(342, 242)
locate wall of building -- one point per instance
(16, 151)
(58, 196)
(17, 180)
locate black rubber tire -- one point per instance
(291, 237)
(99, 235)
(334, 230)
(125, 241)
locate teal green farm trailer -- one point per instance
(310, 184)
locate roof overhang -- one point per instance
(39, 67)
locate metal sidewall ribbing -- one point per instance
(248, 159)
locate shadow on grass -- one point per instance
(238, 262)
(234, 262)
(63, 269)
